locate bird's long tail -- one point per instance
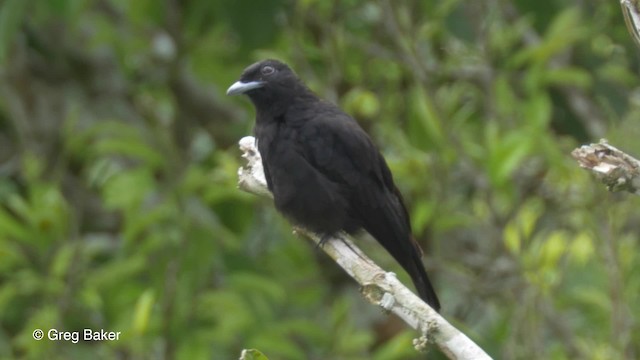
(389, 226)
(422, 283)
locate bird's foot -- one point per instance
(323, 239)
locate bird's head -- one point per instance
(267, 82)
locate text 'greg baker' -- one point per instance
(87, 335)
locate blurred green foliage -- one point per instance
(118, 201)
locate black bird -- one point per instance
(324, 171)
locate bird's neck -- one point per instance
(277, 104)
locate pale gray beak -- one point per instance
(240, 87)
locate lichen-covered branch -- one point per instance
(379, 287)
(614, 168)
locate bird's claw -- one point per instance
(323, 239)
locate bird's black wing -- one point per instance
(342, 151)
(336, 145)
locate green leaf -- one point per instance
(538, 111)
(552, 249)
(425, 128)
(277, 343)
(117, 272)
(505, 100)
(422, 213)
(62, 260)
(361, 103)
(512, 238)
(135, 149)
(571, 76)
(142, 312)
(128, 189)
(582, 248)
(521, 228)
(565, 30)
(507, 155)
(10, 227)
(252, 354)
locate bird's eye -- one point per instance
(268, 70)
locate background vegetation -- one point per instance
(118, 201)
